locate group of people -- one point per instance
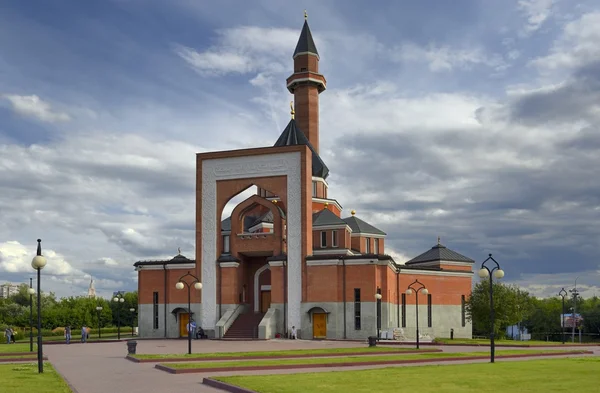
(195, 331)
(10, 334)
(84, 334)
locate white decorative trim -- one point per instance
(230, 264)
(276, 263)
(256, 286)
(168, 267)
(333, 251)
(364, 234)
(324, 262)
(308, 79)
(436, 273)
(307, 53)
(338, 226)
(330, 201)
(320, 180)
(244, 167)
(265, 287)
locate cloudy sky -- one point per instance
(477, 121)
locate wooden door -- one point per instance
(265, 301)
(184, 318)
(319, 325)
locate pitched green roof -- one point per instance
(439, 252)
(306, 42)
(326, 217)
(359, 226)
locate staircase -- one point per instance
(245, 327)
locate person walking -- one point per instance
(83, 334)
(8, 334)
(68, 334)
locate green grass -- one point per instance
(316, 352)
(347, 359)
(7, 348)
(502, 342)
(23, 356)
(532, 376)
(17, 378)
(105, 336)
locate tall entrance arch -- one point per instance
(258, 164)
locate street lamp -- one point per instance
(132, 319)
(378, 298)
(575, 293)
(563, 294)
(118, 299)
(421, 288)
(486, 272)
(197, 285)
(98, 311)
(31, 292)
(38, 264)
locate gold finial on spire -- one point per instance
(439, 241)
(292, 111)
(305, 15)
(179, 250)
(353, 212)
(326, 205)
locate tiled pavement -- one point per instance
(101, 367)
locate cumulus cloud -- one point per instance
(536, 12)
(34, 106)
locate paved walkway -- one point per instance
(101, 367)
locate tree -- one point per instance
(511, 306)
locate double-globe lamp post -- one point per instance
(417, 287)
(118, 299)
(486, 272)
(31, 292)
(38, 264)
(182, 283)
(563, 294)
(98, 311)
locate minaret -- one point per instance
(306, 84)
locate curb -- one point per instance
(267, 357)
(12, 360)
(355, 364)
(225, 386)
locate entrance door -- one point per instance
(184, 318)
(265, 301)
(319, 325)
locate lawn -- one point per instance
(532, 376)
(346, 359)
(17, 378)
(19, 347)
(94, 337)
(295, 352)
(502, 342)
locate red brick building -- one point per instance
(288, 256)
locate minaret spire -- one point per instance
(306, 83)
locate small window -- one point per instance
(334, 238)
(356, 308)
(368, 245)
(463, 313)
(226, 249)
(155, 310)
(302, 69)
(429, 321)
(375, 246)
(314, 189)
(404, 310)
(323, 239)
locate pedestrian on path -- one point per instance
(68, 334)
(83, 334)
(8, 334)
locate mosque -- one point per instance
(288, 257)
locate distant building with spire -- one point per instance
(92, 290)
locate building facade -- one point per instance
(8, 289)
(288, 256)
